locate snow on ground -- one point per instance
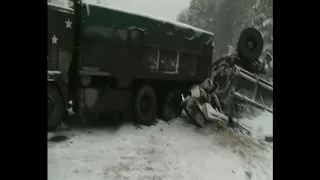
(261, 125)
(162, 152)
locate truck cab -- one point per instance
(60, 51)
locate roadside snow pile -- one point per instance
(165, 151)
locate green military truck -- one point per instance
(105, 60)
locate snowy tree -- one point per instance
(260, 16)
(227, 18)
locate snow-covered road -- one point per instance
(162, 152)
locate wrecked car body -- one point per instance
(240, 92)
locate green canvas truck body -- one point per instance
(129, 46)
(107, 58)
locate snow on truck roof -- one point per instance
(175, 23)
(60, 6)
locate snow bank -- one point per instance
(165, 152)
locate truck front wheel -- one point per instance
(56, 109)
(145, 106)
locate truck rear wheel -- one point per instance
(145, 106)
(56, 109)
(171, 105)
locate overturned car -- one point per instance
(237, 87)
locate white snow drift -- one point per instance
(162, 152)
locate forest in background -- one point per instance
(227, 18)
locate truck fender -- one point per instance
(55, 78)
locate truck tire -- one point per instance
(171, 105)
(56, 107)
(250, 54)
(145, 106)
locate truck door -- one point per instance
(52, 52)
(60, 39)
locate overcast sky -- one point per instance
(168, 9)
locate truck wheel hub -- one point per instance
(145, 103)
